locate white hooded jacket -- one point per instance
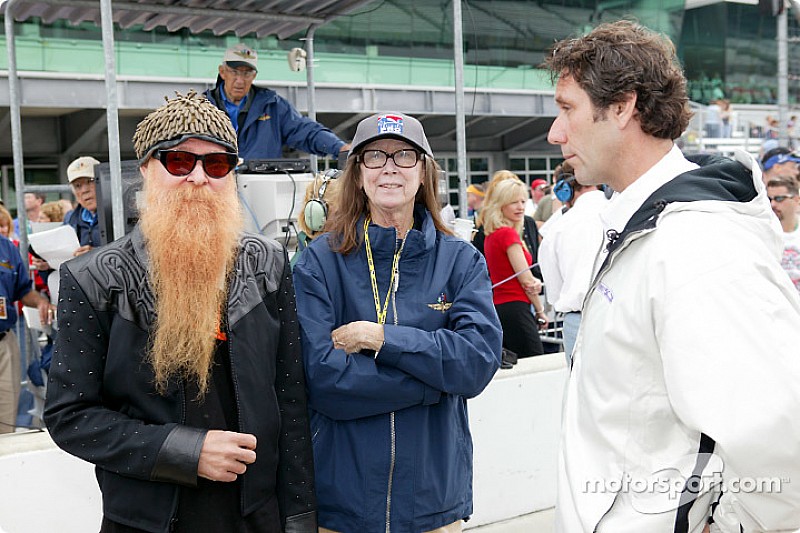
(684, 396)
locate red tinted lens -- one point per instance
(219, 165)
(179, 163)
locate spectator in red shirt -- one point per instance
(503, 215)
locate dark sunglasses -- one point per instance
(780, 197)
(179, 163)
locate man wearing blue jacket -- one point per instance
(265, 121)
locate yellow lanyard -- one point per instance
(381, 313)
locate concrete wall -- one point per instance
(515, 426)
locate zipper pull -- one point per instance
(397, 279)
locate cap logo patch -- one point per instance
(244, 53)
(390, 124)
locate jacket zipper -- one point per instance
(392, 428)
(391, 474)
(173, 521)
(628, 239)
(235, 387)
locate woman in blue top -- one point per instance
(398, 331)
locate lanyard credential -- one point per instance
(395, 262)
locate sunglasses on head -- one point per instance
(179, 163)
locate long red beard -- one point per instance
(192, 236)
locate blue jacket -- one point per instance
(271, 122)
(14, 281)
(87, 233)
(391, 434)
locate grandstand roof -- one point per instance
(242, 17)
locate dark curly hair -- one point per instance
(619, 58)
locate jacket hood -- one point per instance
(718, 179)
(720, 185)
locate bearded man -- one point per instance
(177, 369)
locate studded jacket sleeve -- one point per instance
(81, 415)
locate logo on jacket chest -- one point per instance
(265, 116)
(606, 291)
(441, 304)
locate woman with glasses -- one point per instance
(398, 331)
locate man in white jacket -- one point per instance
(566, 255)
(681, 410)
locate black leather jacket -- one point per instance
(102, 406)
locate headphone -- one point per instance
(563, 188)
(315, 211)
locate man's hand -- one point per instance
(40, 264)
(46, 311)
(225, 455)
(82, 250)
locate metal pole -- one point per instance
(461, 134)
(310, 92)
(107, 21)
(16, 131)
(783, 76)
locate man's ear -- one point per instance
(143, 167)
(624, 111)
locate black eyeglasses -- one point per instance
(405, 158)
(179, 163)
(780, 197)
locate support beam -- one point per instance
(112, 119)
(471, 122)
(520, 147)
(92, 132)
(344, 125)
(461, 130)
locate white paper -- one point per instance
(33, 320)
(53, 283)
(56, 245)
(38, 227)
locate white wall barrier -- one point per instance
(515, 425)
(45, 489)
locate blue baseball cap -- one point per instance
(780, 159)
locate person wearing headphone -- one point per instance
(569, 244)
(321, 195)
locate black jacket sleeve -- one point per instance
(296, 496)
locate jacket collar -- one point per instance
(420, 239)
(139, 248)
(623, 205)
(716, 179)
